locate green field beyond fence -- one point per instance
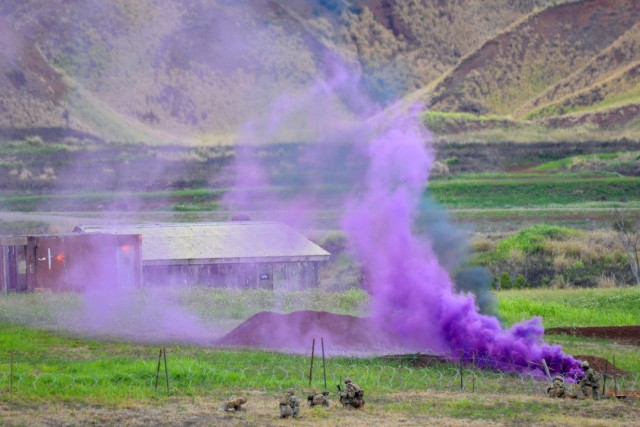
(40, 364)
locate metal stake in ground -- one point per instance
(166, 368)
(11, 373)
(615, 379)
(313, 348)
(604, 380)
(461, 375)
(324, 368)
(158, 370)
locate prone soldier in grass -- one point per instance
(234, 405)
(317, 399)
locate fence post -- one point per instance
(158, 369)
(461, 374)
(11, 373)
(324, 367)
(604, 380)
(313, 347)
(615, 379)
(166, 368)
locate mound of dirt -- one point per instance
(601, 365)
(621, 334)
(295, 331)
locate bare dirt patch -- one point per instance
(621, 334)
(416, 408)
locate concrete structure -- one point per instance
(223, 254)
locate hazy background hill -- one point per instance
(169, 70)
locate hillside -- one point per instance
(155, 70)
(572, 64)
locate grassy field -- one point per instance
(572, 307)
(70, 375)
(477, 191)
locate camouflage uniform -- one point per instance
(352, 395)
(234, 404)
(289, 405)
(557, 387)
(318, 399)
(591, 381)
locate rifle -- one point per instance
(339, 388)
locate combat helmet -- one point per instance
(558, 377)
(585, 364)
(347, 380)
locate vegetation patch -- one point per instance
(522, 192)
(572, 307)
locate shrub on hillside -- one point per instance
(542, 256)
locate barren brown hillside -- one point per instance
(31, 91)
(611, 72)
(523, 63)
(204, 67)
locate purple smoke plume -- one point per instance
(413, 294)
(414, 302)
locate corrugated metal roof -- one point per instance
(215, 240)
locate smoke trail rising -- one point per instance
(413, 294)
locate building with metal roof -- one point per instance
(223, 254)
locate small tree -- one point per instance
(505, 281)
(520, 282)
(628, 231)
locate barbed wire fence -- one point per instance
(180, 371)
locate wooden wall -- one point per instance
(274, 276)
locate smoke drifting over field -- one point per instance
(414, 300)
(375, 164)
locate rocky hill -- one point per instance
(173, 70)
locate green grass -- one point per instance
(473, 191)
(627, 357)
(57, 366)
(572, 307)
(531, 240)
(516, 192)
(607, 160)
(60, 367)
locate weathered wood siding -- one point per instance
(274, 276)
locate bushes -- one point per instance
(559, 257)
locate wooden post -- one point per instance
(324, 367)
(546, 369)
(158, 370)
(461, 374)
(615, 380)
(11, 373)
(166, 369)
(604, 379)
(313, 349)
